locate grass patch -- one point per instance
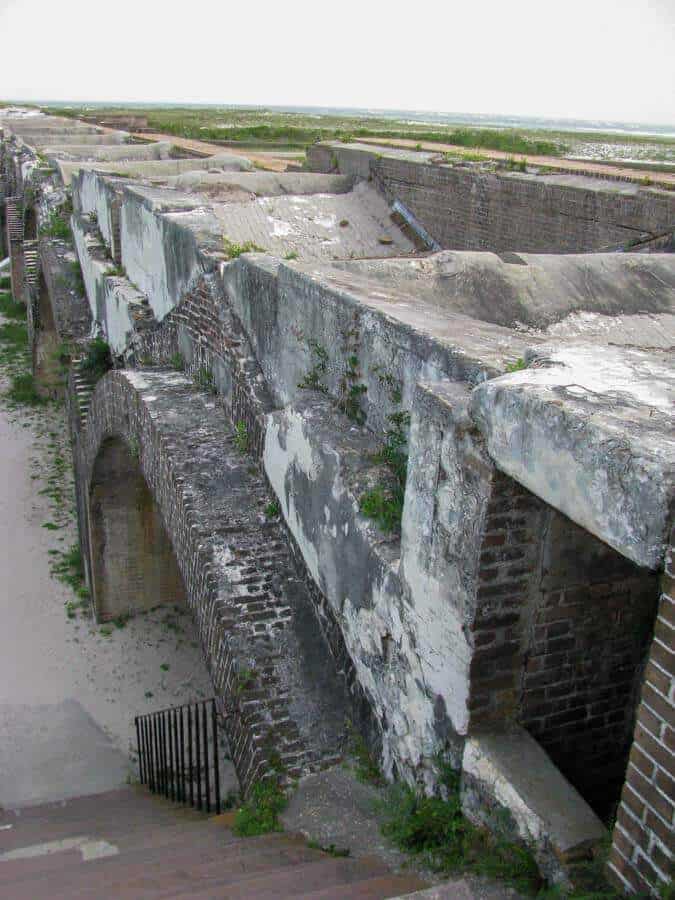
(10, 308)
(22, 391)
(259, 814)
(435, 831)
(516, 366)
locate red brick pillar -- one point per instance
(641, 857)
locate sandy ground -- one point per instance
(59, 675)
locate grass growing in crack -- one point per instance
(177, 361)
(241, 437)
(272, 509)
(203, 378)
(384, 503)
(516, 366)
(259, 814)
(436, 832)
(292, 254)
(313, 379)
(330, 849)
(234, 250)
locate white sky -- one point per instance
(609, 59)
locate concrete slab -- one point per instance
(318, 226)
(589, 429)
(511, 769)
(51, 752)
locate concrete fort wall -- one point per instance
(464, 209)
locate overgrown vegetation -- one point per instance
(435, 831)
(98, 359)
(56, 226)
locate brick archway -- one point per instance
(158, 465)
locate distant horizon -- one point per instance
(545, 121)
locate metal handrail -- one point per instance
(169, 738)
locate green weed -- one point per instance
(259, 814)
(313, 379)
(234, 250)
(177, 361)
(516, 366)
(241, 437)
(272, 509)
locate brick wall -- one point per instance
(560, 634)
(468, 210)
(586, 646)
(464, 210)
(641, 857)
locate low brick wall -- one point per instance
(641, 859)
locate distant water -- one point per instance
(407, 116)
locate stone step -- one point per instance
(162, 870)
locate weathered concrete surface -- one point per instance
(321, 226)
(147, 168)
(523, 290)
(116, 306)
(261, 184)
(508, 775)
(589, 430)
(112, 152)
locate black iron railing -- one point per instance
(178, 754)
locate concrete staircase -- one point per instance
(130, 845)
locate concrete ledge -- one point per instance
(509, 783)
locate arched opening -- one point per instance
(132, 563)
(47, 366)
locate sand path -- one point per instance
(68, 692)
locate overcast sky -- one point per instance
(609, 59)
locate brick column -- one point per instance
(641, 857)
